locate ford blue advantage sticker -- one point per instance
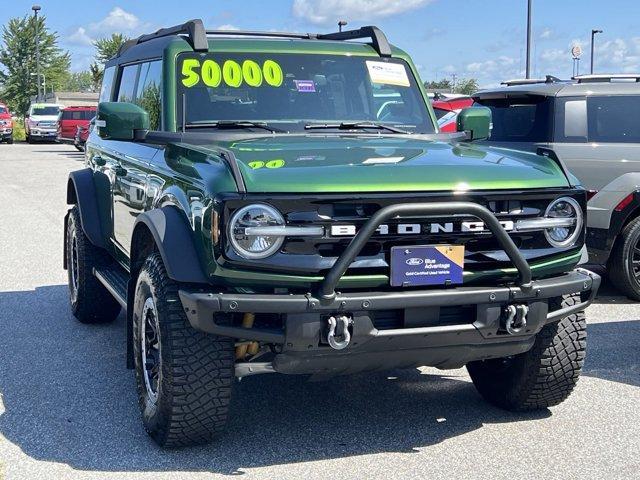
(427, 265)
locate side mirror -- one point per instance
(121, 121)
(475, 122)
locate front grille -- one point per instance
(316, 256)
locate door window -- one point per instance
(148, 94)
(107, 84)
(126, 92)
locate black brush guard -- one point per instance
(202, 307)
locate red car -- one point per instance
(70, 119)
(447, 111)
(82, 133)
(6, 124)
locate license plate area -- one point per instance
(424, 265)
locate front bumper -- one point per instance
(447, 346)
(43, 133)
(6, 133)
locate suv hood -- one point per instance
(338, 163)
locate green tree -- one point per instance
(443, 84)
(18, 59)
(79, 82)
(96, 71)
(107, 48)
(467, 86)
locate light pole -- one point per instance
(36, 9)
(593, 35)
(528, 68)
(44, 85)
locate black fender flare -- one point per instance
(81, 190)
(174, 239)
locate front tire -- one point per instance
(624, 266)
(542, 377)
(184, 377)
(90, 301)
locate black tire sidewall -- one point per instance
(630, 242)
(144, 289)
(72, 232)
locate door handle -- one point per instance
(99, 161)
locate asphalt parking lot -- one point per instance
(68, 407)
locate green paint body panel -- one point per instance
(189, 176)
(319, 163)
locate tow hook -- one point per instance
(344, 321)
(516, 319)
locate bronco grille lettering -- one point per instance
(417, 228)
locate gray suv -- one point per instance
(592, 124)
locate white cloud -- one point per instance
(330, 11)
(227, 26)
(80, 37)
(118, 20)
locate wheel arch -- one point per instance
(81, 191)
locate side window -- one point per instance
(148, 94)
(614, 119)
(126, 91)
(107, 84)
(571, 120)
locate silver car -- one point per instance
(592, 125)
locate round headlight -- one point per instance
(564, 208)
(255, 246)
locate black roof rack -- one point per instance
(197, 36)
(531, 81)
(607, 77)
(194, 29)
(378, 38)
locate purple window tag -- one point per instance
(305, 86)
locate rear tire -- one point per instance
(184, 377)
(29, 139)
(90, 301)
(542, 377)
(624, 266)
(10, 141)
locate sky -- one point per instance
(482, 39)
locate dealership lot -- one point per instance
(68, 405)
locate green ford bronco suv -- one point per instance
(275, 202)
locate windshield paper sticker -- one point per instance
(230, 73)
(388, 73)
(305, 86)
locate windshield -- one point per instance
(77, 114)
(289, 91)
(48, 110)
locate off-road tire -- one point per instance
(10, 141)
(92, 302)
(29, 139)
(196, 378)
(620, 270)
(545, 375)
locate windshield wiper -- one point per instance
(230, 124)
(354, 126)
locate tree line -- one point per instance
(18, 69)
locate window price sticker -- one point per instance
(388, 73)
